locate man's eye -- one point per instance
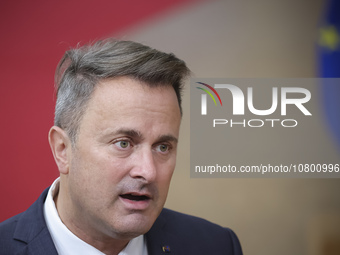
(163, 148)
(123, 144)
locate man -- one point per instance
(114, 141)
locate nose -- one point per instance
(144, 166)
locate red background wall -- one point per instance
(35, 34)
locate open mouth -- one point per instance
(134, 197)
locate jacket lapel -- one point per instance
(160, 241)
(32, 230)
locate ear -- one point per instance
(61, 147)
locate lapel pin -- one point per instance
(166, 249)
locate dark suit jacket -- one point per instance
(27, 233)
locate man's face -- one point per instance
(123, 159)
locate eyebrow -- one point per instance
(137, 134)
(130, 132)
(167, 138)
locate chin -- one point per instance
(134, 225)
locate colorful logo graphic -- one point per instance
(204, 97)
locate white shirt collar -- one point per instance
(67, 243)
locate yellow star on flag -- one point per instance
(329, 37)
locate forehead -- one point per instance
(127, 92)
(131, 101)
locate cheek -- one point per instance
(91, 175)
(100, 166)
(164, 178)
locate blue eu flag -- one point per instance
(329, 57)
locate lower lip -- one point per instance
(135, 205)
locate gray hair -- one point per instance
(82, 68)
